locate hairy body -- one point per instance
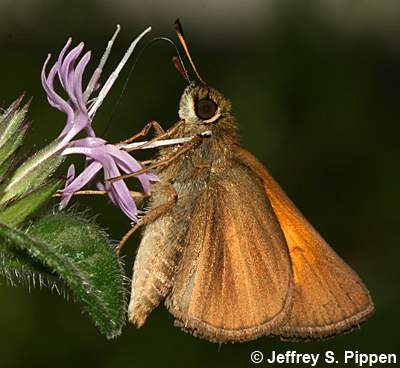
(231, 255)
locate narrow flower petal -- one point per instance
(61, 56)
(123, 159)
(70, 177)
(119, 191)
(100, 186)
(82, 179)
(88, 142)
(129, 165)
(54, 99)
(65, 72)
(77, 81)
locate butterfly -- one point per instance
(224, 247)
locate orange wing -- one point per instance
(234, 282)
(329, 297)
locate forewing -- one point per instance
(329, 297)
(234, 282)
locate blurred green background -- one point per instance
(315, 86)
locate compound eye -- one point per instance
(205, 109)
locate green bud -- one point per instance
(11, 120)
(16, 213)
(32, 173)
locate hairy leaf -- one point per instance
(79, 252)
(20, 268)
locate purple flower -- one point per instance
(70, 177)
(113, 161)
(68, 70)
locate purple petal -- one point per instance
(65, 72)
(118, 191)
(77, 81)
(70, 177)
(152, 177)
(100, 186)
(71, 80)
(90, 131)
(83, 178)
(129, 165)
(54, 99)
(71, 172)
(89, 142)
(61, 55)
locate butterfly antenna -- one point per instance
(181, 37)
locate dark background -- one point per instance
(315, 89)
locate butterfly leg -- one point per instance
(152, 214)
(152, 124)
(163, 135)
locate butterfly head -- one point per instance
(203, 106)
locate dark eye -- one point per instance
(205, 109)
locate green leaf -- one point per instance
(32, 173)
(19, 268)
(80, 253)
(6, 167)
(14, 142)
(11, 120)
(17, 212)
